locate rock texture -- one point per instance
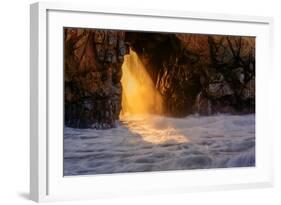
(203, 74)
(194, 73)
(92, 72)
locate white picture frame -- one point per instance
(46, 177)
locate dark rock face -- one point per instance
(92, 72)
(202, 74)
(234, 58)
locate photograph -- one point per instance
(143, 101)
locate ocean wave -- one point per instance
(157, 143)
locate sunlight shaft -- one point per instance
(139, 95)
(140, 100)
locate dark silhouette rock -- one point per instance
(92, 78)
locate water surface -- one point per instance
(156, 143)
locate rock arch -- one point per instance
(194, 73)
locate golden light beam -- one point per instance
(139, 95)
(140, 98)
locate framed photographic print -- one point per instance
(127, 102)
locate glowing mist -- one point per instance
(140, 99)
(139, 95)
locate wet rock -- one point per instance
(215, 77)
(92, 89)
(203, 105)
(239, 73)
(109, 56)
(202, 80)
(122, 48)
(196, 48)
(249, 90)
(100, 52)
(99, 36)
(251, 67)
(112, 38)
(116, 76)
(104, 76)
(88, 105)
(218, 90)
(228, 50)
(220, 107)
(120, 58)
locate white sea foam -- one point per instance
(156, 143)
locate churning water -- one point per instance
(157, 143)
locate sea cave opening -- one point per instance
(109, 75)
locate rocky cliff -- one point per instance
(203, 74)
(92, 73)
